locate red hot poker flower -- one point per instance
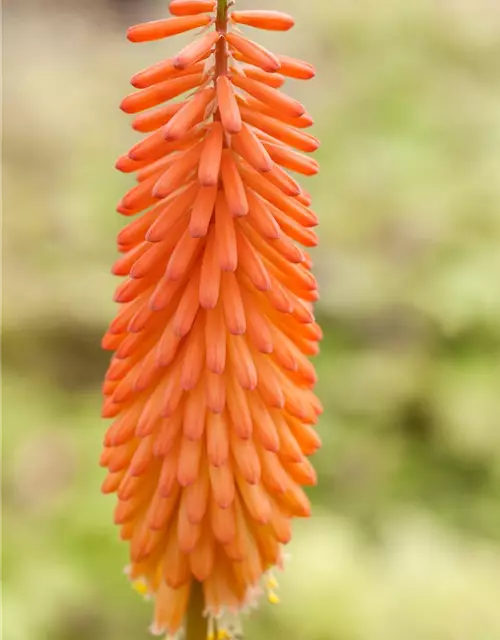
(210, 386)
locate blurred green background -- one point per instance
(405, 539)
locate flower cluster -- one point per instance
(210, 385)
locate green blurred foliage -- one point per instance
(404, 543)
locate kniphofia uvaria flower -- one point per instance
(210, 386)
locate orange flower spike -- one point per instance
(210, 386)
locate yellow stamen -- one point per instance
(271, 582)
(141, 587)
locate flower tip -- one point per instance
(178, 64)
(123, 209)
(131, 35)
(122, 164)
(137, 84)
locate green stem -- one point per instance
(222, 6)
(196, 623)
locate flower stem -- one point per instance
(221, 47)
(196, 622)
(222, 6)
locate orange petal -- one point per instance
(248, 146)
(275, 80)
(270, 20)
(302, 122)
(197, 494)
(253, 53)
(156, 168)
(210, 159)
(222, 522)
(242, 362)
(217, 439)
(201, 559)
(256, 501)
(215, 392)
(177, 174)
(202, 211)
(281, 131)
(294, 68)
(189, 461)
(146, 122)
(257, 326)
(162, 71)
(194, 356)
(188, 306)
(126, 165)
(225, 235)
(196, 50)
(139, 198)
(234, 190)
(228, 106)
(232, 305)
(239, 411)
(170, 608)
(215, 340)
(160, 29)
(291, 159)
(272, 97)
(246, 458)
(260, 217)
(175, 563)
(283, 181)
(155, 146)
(188, 533)
(264, 428)
(191, 7)
(222, 483)
(193, 112)
(210, 275)
(251, 263)
(182, 256)
(158, 93)
(166, 446)
(269, 192)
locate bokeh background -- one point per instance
(405, 539)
